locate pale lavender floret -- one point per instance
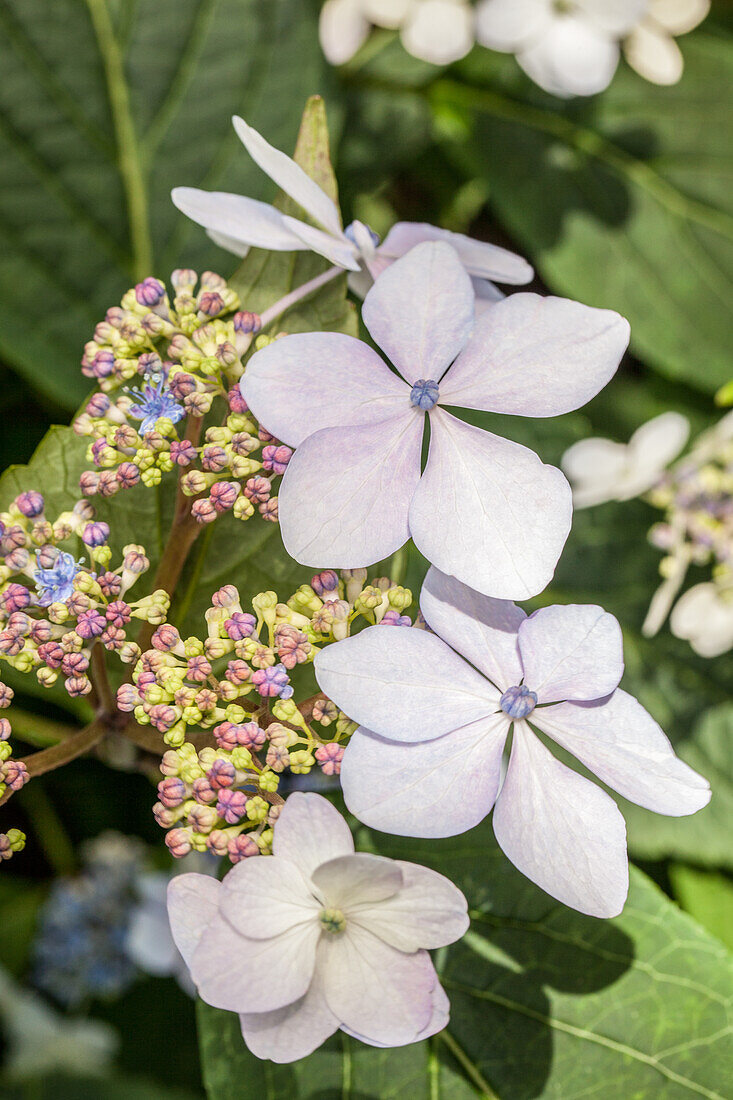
(55, 584)
(31, 504)
(149, 292)
(431, 704)
(273, 681)
(342, 937)
(95, 534)
(154, 401)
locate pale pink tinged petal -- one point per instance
(659, 441)
(574, 651)
(486, 295)
(438, 1020)
(238, 218)
(488, 511)
(409, 686)
(571, 58)
(621, 743)
(429, 911)
(357, 879)
(290, 177)
(339, 250)
(561, 831)
(439, 31)
(238, 248)
(263, 897)
(535, 356)
(510, 24)
(360, 283)
(193, 902)
(310, 831)
(482, 630)
(596, 469)
(678, 16)
(420, 311)
(346, 493)
(293, 1032)
(312, 380)
(376, 990)
(440, 788)
(654, 54)
(616, 18)
(342, 29)
(245, 975)
(487, 261)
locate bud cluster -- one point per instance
(55, 607)
(236, 683)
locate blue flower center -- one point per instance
(518, 702)
(424, 394)
(361, 235)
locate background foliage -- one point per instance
(622, 201)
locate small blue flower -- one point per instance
(518, 702)
(155, 401)
(56, 585)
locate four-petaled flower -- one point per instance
(427, 760)
(485, 509)
(236, 223)
(153, 402)
(56, 584)
(317, 937)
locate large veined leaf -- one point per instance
(545, 1003)
(622, 201)
(105, 105)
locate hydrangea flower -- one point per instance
(153, 402)
(651, 48)
(703, 616)
(485, 509)
(236, 223)
(568, 47)
(56, 584)
(317, 937)
(428, 758)
(439, 31)
(600, 470)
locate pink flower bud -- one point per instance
(178, 842)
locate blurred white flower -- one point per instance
(568, 47)
(600, 470)
(149, 943)
(439, 31)
(41, 1041)
(651, 48)
(703, 616)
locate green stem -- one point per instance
(128, 151)
(467, 1065)
(48, 829)
(37, 731)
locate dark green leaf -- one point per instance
(708, 897)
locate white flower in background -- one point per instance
(484, 509)
(703, 616)
(318, 937)
(600, 470)
(427, 758)
(651, 48)
(439, 31)
(568, 47)
(42, 1041)
(149, 942)
(237, 223)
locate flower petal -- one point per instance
(376, 990)
(339, 250)
(704, 618)
(238, 219)
(534, 356)
(655, 444)
(571, 57)
(244, 975)
(596, 469)
(310, 831)
(510, 24)
(387, 13)
(420, 311)
(621, 743)
(357, 879)
(439, 31)
(193, 902)
(678, 16)
(571, 652)
(342, 29)
(345, 496)
(440, 788)
(263, 897)
(654, 54)
(561, 831)
(614, 19)
(429, 911)
(292, 1032)
(409, 686)
(290, 177)
(312, 380)
(239, 248)
(487, 261)
(488, 512)
(482, 630)
(438, 1020)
